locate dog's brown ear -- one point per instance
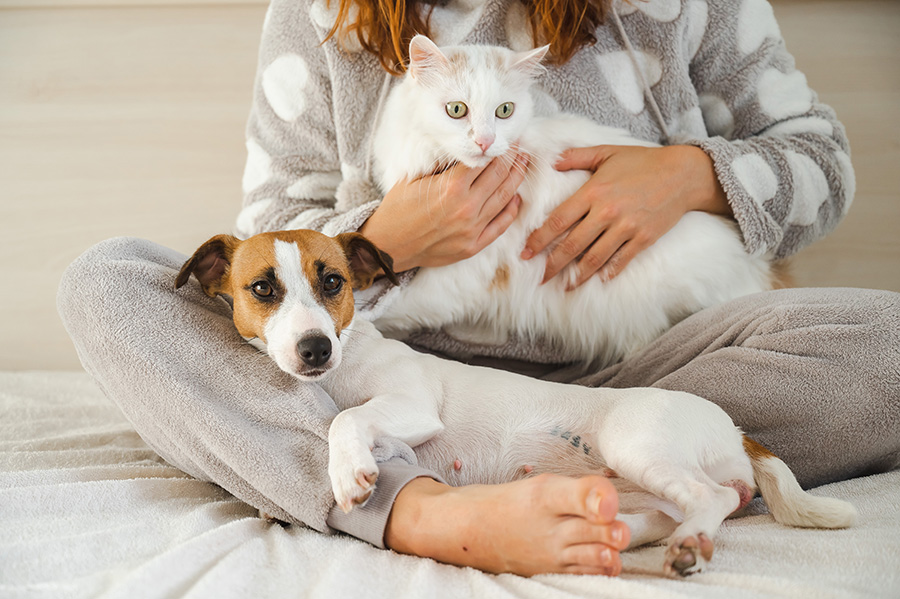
(366, 260)
(209, 264)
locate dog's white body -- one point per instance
(699, 263)
(680, 462)
(494, 423)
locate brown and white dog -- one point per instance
(682, 466)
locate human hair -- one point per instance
(385, 27)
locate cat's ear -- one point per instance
(529, 63)
(425, 58)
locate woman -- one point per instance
(745, 138)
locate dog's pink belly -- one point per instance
(484, 461)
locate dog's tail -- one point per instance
(787, 501)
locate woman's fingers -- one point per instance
(558, 222)
(615, 215)
(494, 213)
(570, 211)
(579, 243)
(587, 159)
(616, 263)
(449, 216)
(500, 223)
(498, 183)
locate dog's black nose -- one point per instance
(314, 351)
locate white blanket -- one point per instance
(87, 510)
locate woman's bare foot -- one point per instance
(544, 524)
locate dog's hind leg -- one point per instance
(691, 544)
(678, 446)
(705, 505)
(649, 518)
(647, 527)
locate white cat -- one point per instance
(452, 103)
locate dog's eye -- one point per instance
(332, 283)
(262, 289)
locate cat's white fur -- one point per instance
(699, 263)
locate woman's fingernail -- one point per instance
(527, 254)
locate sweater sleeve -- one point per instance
(294, 163)
(782, 156)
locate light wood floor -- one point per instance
(128, 120)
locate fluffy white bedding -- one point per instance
(87, 510)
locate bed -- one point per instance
(88, 510)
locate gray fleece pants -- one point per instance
(813, 374)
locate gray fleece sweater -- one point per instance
(713, 73)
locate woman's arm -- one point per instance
(634, 196)
(780, 158)
(445, 218)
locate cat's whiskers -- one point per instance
(538, 165)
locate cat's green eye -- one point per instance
(505, 110)
(457, 110)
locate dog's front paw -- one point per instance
(688, 555)
(352, 478)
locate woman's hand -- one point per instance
(547, 523)
(444, 218)
(634, 196)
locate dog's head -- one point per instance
(292, 290)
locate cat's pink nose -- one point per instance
(484, 143)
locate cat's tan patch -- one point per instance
(459, 64)
(501, 278)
